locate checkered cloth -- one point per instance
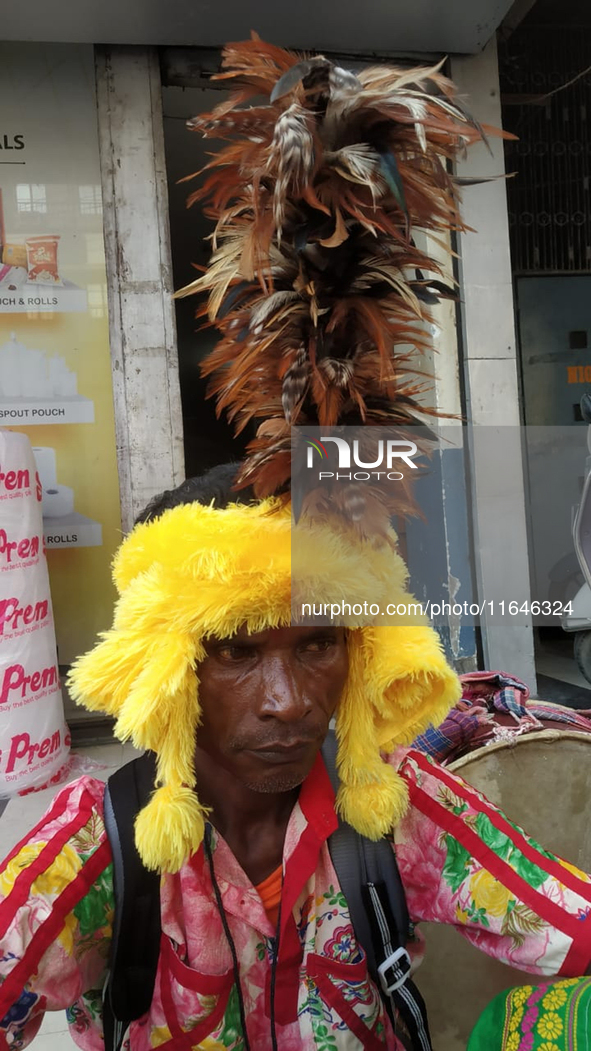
(494, 706)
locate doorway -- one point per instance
(554, 314)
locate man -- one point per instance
(315, 280)
(257, 946)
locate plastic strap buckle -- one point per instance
(398, 963)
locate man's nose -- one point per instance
(284, 695)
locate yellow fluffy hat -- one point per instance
(197, 572)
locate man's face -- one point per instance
(267, 700)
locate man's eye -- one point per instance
(320, 645)
(234, 653)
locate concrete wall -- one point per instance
(491, 382)
(139, 275)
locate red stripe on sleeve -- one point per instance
(579, 954)
(501, 870)
(47, 933)
(53, 814)
(23, 882)
(499, 821)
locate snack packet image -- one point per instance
(42, 259)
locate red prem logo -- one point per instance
(13, 616)
(18, 481)
(16, 681)
(22, 747)
(26, 547)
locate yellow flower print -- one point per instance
(575, 871)
(66, 935)
(513, 1041)
(548, 1047)
(50, 883)
(62, 871)
(22, 860)
(489, 894)
(554, 998)
(550, 1026)
(519, 996)
(211, 1045)
(159, 1035)
(462, 915)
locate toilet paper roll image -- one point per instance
(46, 467)
(58, 501)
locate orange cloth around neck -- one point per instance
(269, 892)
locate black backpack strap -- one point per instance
(370, 881)
(135, 946)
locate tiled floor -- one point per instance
(23, 813)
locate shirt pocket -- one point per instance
(346, 989)
(189, 1003)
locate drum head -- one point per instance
(542, 781)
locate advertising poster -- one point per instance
(55, 369)
(34, 740)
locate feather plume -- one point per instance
(315, 280)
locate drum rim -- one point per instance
(518, 740)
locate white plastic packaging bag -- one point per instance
(34, 738)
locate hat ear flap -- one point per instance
(163, 694)
(398, 684)
(102, 678)
(144, 673)
(170, 828)
(410, 682)
(372, 797)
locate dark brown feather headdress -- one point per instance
(315, 281)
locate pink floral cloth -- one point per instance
(461, 862)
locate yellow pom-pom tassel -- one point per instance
(170, 828)
(374, 808)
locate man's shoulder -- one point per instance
(76, 807)
(85, 793)
(67, 846)
(397, 757)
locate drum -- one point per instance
(542, 781)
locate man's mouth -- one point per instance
(283, 753)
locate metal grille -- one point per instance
(548, 199)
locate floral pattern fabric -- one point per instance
(461, 861)
(545, 1017)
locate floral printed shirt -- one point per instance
(461, 861)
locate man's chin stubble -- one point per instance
(274, 784)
